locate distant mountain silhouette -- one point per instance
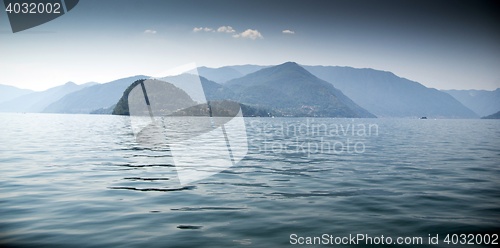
(492, 116)
(291, 90)
(283, 90)
(37, 101)
(223, 74)
(247, 69)
(483, 102)
(387, 95)
(92, 98)
(8, 92)
(220, 75)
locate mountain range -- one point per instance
(8, 92)
(291, 90)
(387, 95)
(482, 102)
(37, 101)
(383, 93)
(91, 98)
(288, 89)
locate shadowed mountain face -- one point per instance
(95, 97)
(483, 102)
(214, 91)
(387, 95)
(163, 97)
(211, 90)
(215, 94)
(37, 101)
(292, 91)
(493, 116)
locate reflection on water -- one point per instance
(83, 180)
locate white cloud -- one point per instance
(249, 34)
(226, 29)
(206, 29)
(149, 31)
(288, 31)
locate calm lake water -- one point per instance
(83, 180)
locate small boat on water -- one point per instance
(423, 118)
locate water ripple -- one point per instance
(155, 189)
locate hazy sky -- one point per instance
(441, 44)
